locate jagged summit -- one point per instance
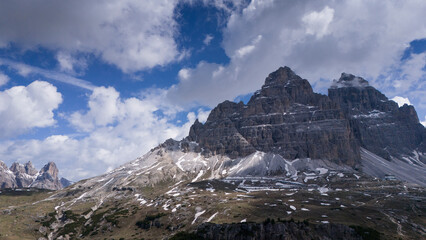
(281, 76)
(283, 87)
(47, 177)
(25, 175)
(378, 123)
(30, 169)
(285, 117)
(349, 80)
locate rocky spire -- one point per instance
(283, 76)
(48, 178)
(286, 117)
(17, 168)
(25, 175)
(30, 169)
(378, 123)
(7, 178)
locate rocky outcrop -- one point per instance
(30, 169)
(285, 117)
(378, 124)
(25, 175)
(48, 178)
(275, 231)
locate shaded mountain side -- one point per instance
(25, 175)
(378, 123)
(285, 117)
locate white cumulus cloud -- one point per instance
(25, 107)
(424, 122)
(319, 40)
(3, 79)
(114, 130)
(401, 101)
(131, 34)
(317, 22)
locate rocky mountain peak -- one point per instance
(48, 178)
(51, 169)
(281, 76)
(25, 175)
(377, 122)
(349, 80)
(17, 168)
(285, 117)
(3, 166)
(285, 87)
(30, 169)
(7, 177)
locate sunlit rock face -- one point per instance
(48, 178)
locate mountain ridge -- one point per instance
(26, 176)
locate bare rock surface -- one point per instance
(378, 124)
(26, 176)
(48, 178)
(7, 178)
(285, 117)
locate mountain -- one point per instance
(378, 124)
(65, 182)
(26, 176)
(285, 117)
(290, 163)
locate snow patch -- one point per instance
(197, 215)
(211, 218)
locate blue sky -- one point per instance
(94, 85)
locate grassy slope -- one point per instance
(370, 204)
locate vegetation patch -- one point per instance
(185, 236)
(149, 221)
(48, 220)
(366, 233)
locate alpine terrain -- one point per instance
(288, 164)
(26, 176)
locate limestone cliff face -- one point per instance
(378, 123)
(25, 175)
(287, 118)
(48, 178)
(284, 117)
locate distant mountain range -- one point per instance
(26, 176)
